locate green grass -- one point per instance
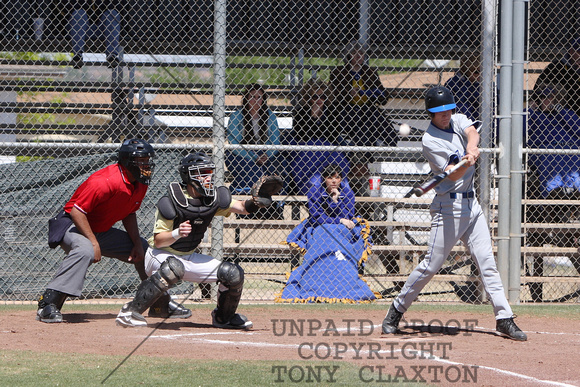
(25, 159)
(571, 311)
(26, 368)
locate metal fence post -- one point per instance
(505, 88)
(519, 31)
(219, 116)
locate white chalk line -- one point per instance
(423, 355)
(222, 333)
(498, 370)
(482, 329)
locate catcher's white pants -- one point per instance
(199, 268)
(452, 220)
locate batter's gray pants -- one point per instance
(70, 275)
(452, 220)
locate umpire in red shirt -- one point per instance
(84, 228)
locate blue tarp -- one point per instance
(329, 271)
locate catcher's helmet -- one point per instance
(439, 99)
(195, 169)
(137, 148)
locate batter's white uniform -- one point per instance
(455, 214)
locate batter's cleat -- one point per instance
(508, 328)
(239, 321)
(130, 319)
(49, 314)
(170, 310)
(391, 321)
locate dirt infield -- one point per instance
(441, 347)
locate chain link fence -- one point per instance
(304, 85)
(552, 136)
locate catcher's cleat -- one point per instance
(391, 321)
(508, 328)
(127, 318)
(239, 321)
(170, 310)
(49, 314)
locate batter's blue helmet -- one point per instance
(439, 99)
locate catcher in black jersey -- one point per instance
(181, 220)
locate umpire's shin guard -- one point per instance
(53, 297)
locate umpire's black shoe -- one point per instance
(170, 310)
(391, 321)
(49, 314)
(49, 305)
(508, 328)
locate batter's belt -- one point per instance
(462, 195)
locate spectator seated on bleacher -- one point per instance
(333, 243)
(565, 73)
(356, 93)
(465, 86)
(253, 124)
(330, 198)
(310, 127)
(552, 126)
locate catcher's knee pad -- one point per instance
(230, 275)
(170, 273)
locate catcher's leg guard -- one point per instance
(49, 305)
(170, 272)
(224, 316)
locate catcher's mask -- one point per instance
(439, 99)
(136, 156)
(197, 170)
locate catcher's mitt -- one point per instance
(264, 188)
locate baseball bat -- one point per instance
(436, 180)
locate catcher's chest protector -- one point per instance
(177, 207)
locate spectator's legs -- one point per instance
(244, 172)
(537, 288)
(278, 166)
(78, 25)
(111, 31)
(355, 119)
